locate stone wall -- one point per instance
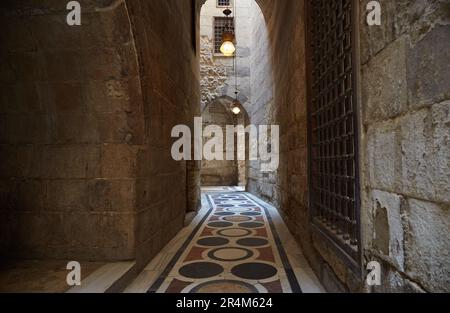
(278, 85)
(405, 142)
(261, 111)
(85, 156)
(219, 172)
(405, 65)
(71, 125)
(169, 69)
(278, 77)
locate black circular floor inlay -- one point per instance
(201, 270)
(254, 271)
(220, 224)
(246, 205)
(251, 225)
(224, 213)
(251, 213)
(252, 242)
(213, 242)
(226, 205)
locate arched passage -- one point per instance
(247, 76)
(86, 114)
(225, 172)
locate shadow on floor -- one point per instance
(38, 276)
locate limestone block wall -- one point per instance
(404, 140)
(405, 84)
(278, 85)
(85, 156)
(218, 172)
(71, 126)
(278, 88)
(169, 72)
(261, 111)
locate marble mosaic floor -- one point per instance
(237, 244)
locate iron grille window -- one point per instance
(334, 176)
(219, 26)
(223, 3)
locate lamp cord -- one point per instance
(235, 53)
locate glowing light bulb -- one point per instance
(228, 48)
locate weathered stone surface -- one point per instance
(384, 85)
(213, 76)
(374, 39)
(440, 116)
(384, 156)
(70, 161)
(334, 264)
(414, 18)
(219, 172)
(429, 68)
(406, 142)
(427, 245)
(425, 153)
(118, 161)
(388, 226)
(67, 195)
(77, 106)
(112, 195)
(333, 284)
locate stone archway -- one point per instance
(222, 78)
(225, 172)
(263, 4)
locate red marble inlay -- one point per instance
(195, 254)
(266, 254)
(214, 218)
(207, 232)
(259, 219)
(177, 286)
(273, 287)
(261, 232)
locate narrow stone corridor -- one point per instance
(116, 130)
(237, 244)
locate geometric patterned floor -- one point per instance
(234, 249)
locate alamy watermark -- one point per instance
(73, 278)
(373, 9)
(74, 16)
(374, 13)
(263, 144)
(374, 274)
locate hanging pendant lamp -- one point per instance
(228, 48)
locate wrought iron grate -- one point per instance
(334, 181)
(223, 3)
(219, 26)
